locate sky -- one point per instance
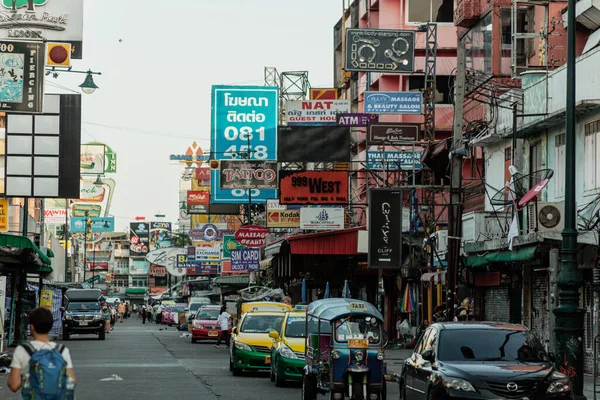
(159, 59)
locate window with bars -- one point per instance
(591, 178)
(559, 165)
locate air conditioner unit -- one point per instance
(479, 226)
(440, 241)
(548, 218)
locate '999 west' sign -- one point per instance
(314, 187)
(244, 122)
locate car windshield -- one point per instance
(83, 306)
(195, 306)
(490, 345)
(207, 315)
(178, 309)
(295, 327)
(358, 328)
(261, 323)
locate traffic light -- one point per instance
(88, 227)
(58, 55)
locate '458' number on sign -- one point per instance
(245, 151)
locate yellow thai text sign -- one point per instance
(3, 215)
(46, 299)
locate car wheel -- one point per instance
(434, 394)
(102, 335)
(272, 375)
(383, 393)
(236, 371)
(65, 334)
(193, 340)
(230, 365)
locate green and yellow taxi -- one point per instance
(250, 342)
(287, 352)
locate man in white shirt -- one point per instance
(41, 321)
(223, 322)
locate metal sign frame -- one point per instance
(380, 50)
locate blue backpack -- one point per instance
(47, 374)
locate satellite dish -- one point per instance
(523, 190)
(549, 216)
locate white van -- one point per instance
(194, 305)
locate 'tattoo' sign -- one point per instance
(252, 235)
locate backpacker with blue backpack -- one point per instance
(48, 378)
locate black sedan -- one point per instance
(481, 360)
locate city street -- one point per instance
(156, 363)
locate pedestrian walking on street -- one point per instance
(144, 313)
(113, 317)
(106, 314)
(122, 311)
(34, 364)
(223, 321)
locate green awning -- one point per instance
(519, 255)
(21, 250)
(135, 290)
(232, 280)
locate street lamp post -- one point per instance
(569, 316)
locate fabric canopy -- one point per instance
(519, 255)
(20, 250)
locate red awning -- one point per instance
(342, 242)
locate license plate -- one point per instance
(213, 333)
(268, 360)
(358, 343)
(83, 323)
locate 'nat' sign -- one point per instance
(315, 112)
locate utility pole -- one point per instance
(569, 316)
(455, 209)
(85, 245)
(66, 236)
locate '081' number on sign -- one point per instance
(245, 133)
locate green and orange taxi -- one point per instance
(287, 352)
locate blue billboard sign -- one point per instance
(99, 224)
(393, 103)
(244, 119)
(245, 259)
(236, 196)
(394, 160)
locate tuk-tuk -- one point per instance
(344, 351)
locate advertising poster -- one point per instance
(394, 102)
(208, 253)
(324, 93)
(55, 216)
(92, 159)
(315, 112)
(22, 86)
(4, 215)
(99, 224)
(46, 299)
(139, 238)
(248, 174)
(198, 202)
(2, 305)
(394, 160)
(356, 119)
(243, 118)
(52, 20)
(380, 50)
(319, 218)
(385, 228)
(160, 235)
(230, 244)
(392, 133)
(314, 187)
(283, 219)
(245, 259)
(237, 196)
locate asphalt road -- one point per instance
(155, 362)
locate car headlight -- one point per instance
(197, 325)
(287, 352)
(458, 384)
(335, 354)
(561, 383)
(98, 317)
(68, 317)
(380, 356)
(242, 346)
(359, 356)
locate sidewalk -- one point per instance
(395, 359)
